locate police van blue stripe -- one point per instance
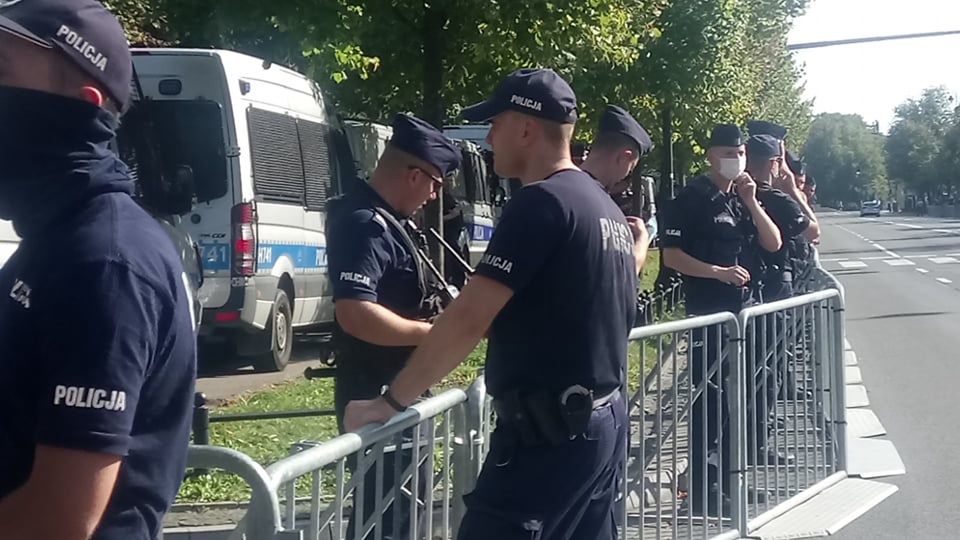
(217, 257)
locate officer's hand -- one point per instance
(639, 229)
(734, 275)
(363, 412)
(746, 187)
(786, 181)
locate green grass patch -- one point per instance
(651, 268)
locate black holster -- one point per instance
(538, 417)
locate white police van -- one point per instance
(266, 150)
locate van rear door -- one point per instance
(186, 105)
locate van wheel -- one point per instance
(280, 331)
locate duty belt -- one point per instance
(541, 417)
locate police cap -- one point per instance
(761, 147)
(84, 31)
(617, 120)
(537, 92)
(762, 127)
(797, 166)
(423, 141)
(726, 135)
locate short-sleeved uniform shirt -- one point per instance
(786, 215)
(369, 260)
(712, 227)
(99, 355)
(566, 251)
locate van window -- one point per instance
(177, 134)
(275, 152)
(319, 162)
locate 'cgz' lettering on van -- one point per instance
(499, 263)
(89, 398)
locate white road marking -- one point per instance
(899, 262)
(944, 280)
(943, 260)
(908, 225)
(871, 242)
(853, 264)
(923, 270)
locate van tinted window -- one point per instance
(159, 138)
(319, 162)
(275, 147)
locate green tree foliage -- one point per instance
(845, 154)
(923, 148)
(707, 60)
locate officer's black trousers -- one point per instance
(551, 492)
(709, 417)
(766, 355)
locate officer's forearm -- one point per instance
(640, 252)
(378, 325)
(454, 335)
(680, 261)
(766, 229)
(813, 231)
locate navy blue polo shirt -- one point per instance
(786, 215)
(368, 260)
(99, 353)
(714, 228)
(566, 251)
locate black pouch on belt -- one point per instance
(545, 412)
(511, 409)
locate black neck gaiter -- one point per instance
(54, 156)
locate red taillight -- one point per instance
(227, 316)
(244, 239)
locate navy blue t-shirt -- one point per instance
(368, 260)
(714, 228)
(566, 251)
(99, 355)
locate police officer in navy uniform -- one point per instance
(380, 288)
(99, 352)
(621, 143)
(556, 291)
(764, 166)
(708, 229)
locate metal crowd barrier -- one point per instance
(735, 419)
(408, 476)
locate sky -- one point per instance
(871, 79)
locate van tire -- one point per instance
(280, 333)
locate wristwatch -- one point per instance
(391, 401)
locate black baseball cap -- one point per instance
(761, 147)
(617, 120)
(83, 30)
(726, 135)
(762, 127)
(421, 140)
(537, 92)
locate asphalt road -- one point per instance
(902, 281)
(221, 379)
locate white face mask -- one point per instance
(731, 168)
